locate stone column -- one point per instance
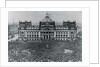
(69, 33)
(39, 34)
(54, 34)
(25, 33)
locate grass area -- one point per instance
(45, 51)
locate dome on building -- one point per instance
(47, 18)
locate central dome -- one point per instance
(47, 18)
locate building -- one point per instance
(47, 30)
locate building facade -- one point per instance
(47, 30)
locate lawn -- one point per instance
(45, 51)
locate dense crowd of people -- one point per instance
(45, 52)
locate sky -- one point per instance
(37, 16)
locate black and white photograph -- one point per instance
(45, 36)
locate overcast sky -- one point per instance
(36, 16)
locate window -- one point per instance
(71, 32)
(63, 35)
(56, 32)
(66, 35)
(32, 35)
(37, 35)
(56, 35)
(27, 35)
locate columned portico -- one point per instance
(47, 35)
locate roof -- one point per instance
(70, 25)
(23, 25)
(47, 19)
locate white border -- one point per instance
(93, 5)
(85, 38)
(2, 3)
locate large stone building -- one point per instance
(47, 30)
